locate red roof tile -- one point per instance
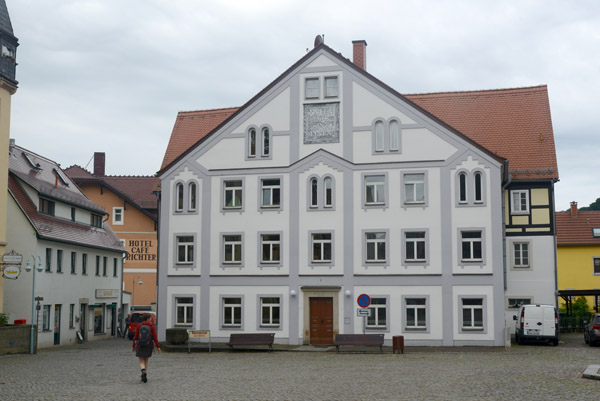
(577, 230)
(137, 189)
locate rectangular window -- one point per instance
(59, 258)
(104, 263)
(233, 194)
(84, 263)
(472, 314)
(73, 262)
(377, 319)
(376, 244)
(416, 313)
(72, 316)
(185, 249)
(46, 318)
(331, 87)
(472, 250)
(270, 312)
(117, 216)
(46, 207)
(311, 88)
(185, 310)
(270, 248)
(519, 202)
(232, 249)
(115, 267)
(375, 190)
(596, 266)
(414, 188)
(271, 192)
(321, 247)
(48, 259)
(515, 303)
(97, 265)
(415, 246)
(232, 312)
(521, 254)
(73, 213)
(96, 220)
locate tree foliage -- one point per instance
(593, 206)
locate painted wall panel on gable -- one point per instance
(275, 113)
(540, 216)
(539, 197)
(367, 107)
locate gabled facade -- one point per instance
(132, 215)
(578, 254)
(52, 224)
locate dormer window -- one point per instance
(46, 207)
(8, 53)
(96, 220)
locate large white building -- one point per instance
(328, 184)
(51, 222)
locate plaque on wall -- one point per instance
(321, 123)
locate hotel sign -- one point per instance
(107, 293)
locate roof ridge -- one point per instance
(208, 110)
(520, 89)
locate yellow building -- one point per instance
(8, 87)
(578, 255)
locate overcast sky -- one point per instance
(111, 75)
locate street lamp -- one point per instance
(28, 268)
(133, 292)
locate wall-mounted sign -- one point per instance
(321, 123)
(11, 272)
(12, 258)
(141, 250)
(107, 293)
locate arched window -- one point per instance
(328, 192)
(379, 136)
(179, 195)
(192, 196)
(314, 192)
(478, 187)
(266, 142)
(462, 187)
(394, 135)
(252, 143)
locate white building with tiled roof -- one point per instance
(52, 223)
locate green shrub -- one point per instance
(3, 319)
(177, 336)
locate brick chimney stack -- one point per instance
(99, 163)
(359, 56)
(574, 212)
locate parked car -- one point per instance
(591, 331)
(537, 323)
(135, 319)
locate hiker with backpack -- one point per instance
(143, 343)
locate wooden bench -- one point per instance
(358, 340)
(251, 339)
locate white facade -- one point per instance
(346, 210)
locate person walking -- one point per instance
(143, 343)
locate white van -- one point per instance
(536, 323)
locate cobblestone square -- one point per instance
(108, 370)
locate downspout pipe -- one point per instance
(507, 182)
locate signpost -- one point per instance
(364, 301)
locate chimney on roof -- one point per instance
(359, 56)
(574, 212)
(99, 163)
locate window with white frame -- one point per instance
(374, 190)
(312, 88)
(185, 249)
(521, 254)
(377, 318)
(596, 232)
(270, 248)
(394, 135)
(184, 310)
(179, 199)
(596, 266)
(233, 194)
(515, 303)
(270, 311)
(232, 249)
(414, 188)
(258, 143)
(320, 193)
(271, 192)
(472, 313)
(192, 194)
(386, 136)
(519, 202)
(232, 312)
(331, 87)
(416, 313)
(322, 245)
(376, 243)
(379, 137)
(414, 245)
(118, 216)
(471, 246)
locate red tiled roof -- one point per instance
(137, 189)
(76, 171)
(577, 230)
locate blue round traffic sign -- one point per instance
(363, 300)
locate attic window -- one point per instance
(31, 162)
(8, 53)
(596, 231)
(62, 177)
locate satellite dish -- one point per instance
(318, 40)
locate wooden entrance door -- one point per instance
(321, 320)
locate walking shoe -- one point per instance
(144, 378)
